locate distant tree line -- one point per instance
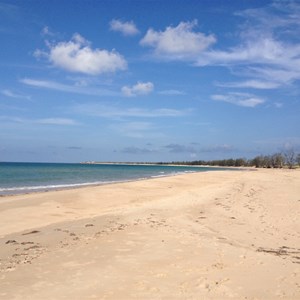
(278, 160)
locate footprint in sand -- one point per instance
(11, 242)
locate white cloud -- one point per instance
(78, 56)
(177, 148)
(137, 150)
(283, 75)
(283, 14)
(255, 84)
(280, 143)
(278, 104)
(136, 129)
(141, 88)
(9, 93)
(180, 42)
(258, 50)
(240, 99)
(56, 121)
(76, 89)
(171, 92)
(47, 32)
(12, 119)
(269, 48)
(45, 121)
(267, 53)
(195, 148)
(217, 148)
(126, 28)
(100, 110)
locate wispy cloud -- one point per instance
(180, 42)
(141, 88)
(106, 111)
(255, 84)
(126, 28)
(11, 94)
(171, 92)
(74, 148)
(196, 148)
(137, 129)
(44, 121)
(11, 119)
(240, 99)
(77, 56)
(76, 89)
(280, 143)
(56, 121)
(177, 148)
(268, 50)
(9, 11)
(261, 58)
(137, 150)
(266, 54)
(284, 15)
(46, 31)
(217, 148)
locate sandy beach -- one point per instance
(211, 235)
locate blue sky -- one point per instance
(148, 80)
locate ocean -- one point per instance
(21, 178)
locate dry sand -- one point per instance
(212, 235)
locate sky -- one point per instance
(148, 80)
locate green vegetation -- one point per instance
(287, 159)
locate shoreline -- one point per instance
(210, 235)
(25, 190)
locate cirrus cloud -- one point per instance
(11, 94)
(240, 99)
(178, 148)
(137, 129)
(44, 121)
(269, 48)
(75, 89)
(56, 121)
(252, 83)
(137, 150)
(114, 112)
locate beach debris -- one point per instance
(89, 225)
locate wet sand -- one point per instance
(212, 235)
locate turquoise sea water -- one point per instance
(16, 178)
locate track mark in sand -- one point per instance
(113, 227)
(284, 252)
(24, 253)
(21, 255)
(201, 217)
(31, 232)
(27, 243)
